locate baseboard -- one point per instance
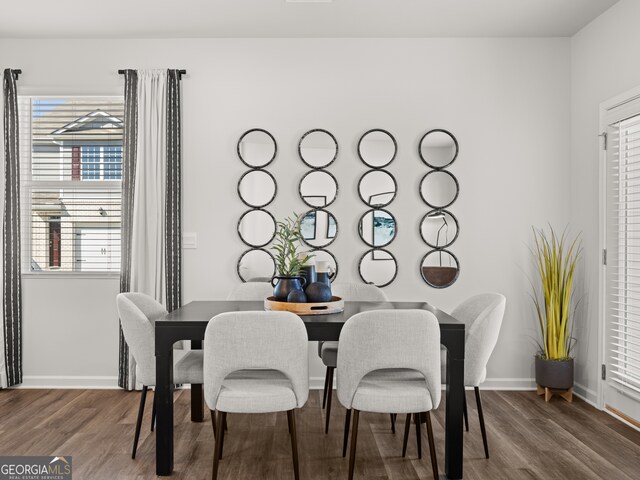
(68, 382)
(317, 383)
(586, 394)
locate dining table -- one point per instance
(190, 321)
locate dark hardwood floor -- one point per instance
(528, 439)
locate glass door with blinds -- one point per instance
(71, 175)
(622, 270)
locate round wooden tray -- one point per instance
(336, 305)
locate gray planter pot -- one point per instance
(554, 373)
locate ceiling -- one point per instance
(283, 18)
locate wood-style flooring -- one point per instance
(528, 439)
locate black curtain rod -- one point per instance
(181, 72)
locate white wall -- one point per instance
(604, 63)
(506, 100)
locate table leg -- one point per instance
(164, 407)
(197, 399)
(454, 407)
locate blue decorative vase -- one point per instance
(284, 285)
(324, 277)
(318, 292)
(309, 274)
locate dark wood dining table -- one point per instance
(190, 322)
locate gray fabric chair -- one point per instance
(138, 313)
(244, 371)
(389, 361)
(482, 315)
(328, 351)
(257, 291)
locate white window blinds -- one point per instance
(71, 159)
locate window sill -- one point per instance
(71, 275)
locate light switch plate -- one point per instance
(189, 240)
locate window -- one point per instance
(71, 174)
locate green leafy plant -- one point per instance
(287, 241)
(557, 257)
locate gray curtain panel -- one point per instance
(12, 295)
(129, 142)
(173, 252)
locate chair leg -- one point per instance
(329, 395)
(219, 443)
(354, 441)
(294, 443)
(143, 398)
(432, 447)
(418, 435)
(393, 422)
(464, 412)
(326, 385)
(481, 417)
(407, 426)
(347, 419)
(213, 423)
(153, 412)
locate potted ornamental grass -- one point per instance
(556, 259)
(289, 261)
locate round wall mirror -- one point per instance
(318, 188)
(377, 188)
(439, 228)
(377, 148)
(256, 227)
(378, 267)
(256, 265)
(257, 188)
(377, 228)
(321, 255)
(257, 148)
(439, 268)
(438, 148)
(318, 148)
(318, 228)
(439, 189)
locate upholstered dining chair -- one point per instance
(328, 351)
(389, 361)
(255, 362)
(138, 313)
(482, 315)
(257, 291)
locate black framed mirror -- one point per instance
(439, 189)
(377, 148)
(377, 228)
(377, 188)
(257, 227)
(439, 228)
(256, 265)
(257, 188)
(318, 188)
(438, 148)
(439, 268)
(319, 228)
(378, 267)
(322, 255)
(318, 148)
(257, 148)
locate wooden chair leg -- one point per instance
(418, 435)
(326, 388)
(407, 426)
(432, 447)
(153, 412)
(213, 423)
(329, 395)
(347, 419)
(481, 417)
(143, 398)
(354, 441)
(393, 422)
(217, 455)
(465, 413)
(294, 443)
